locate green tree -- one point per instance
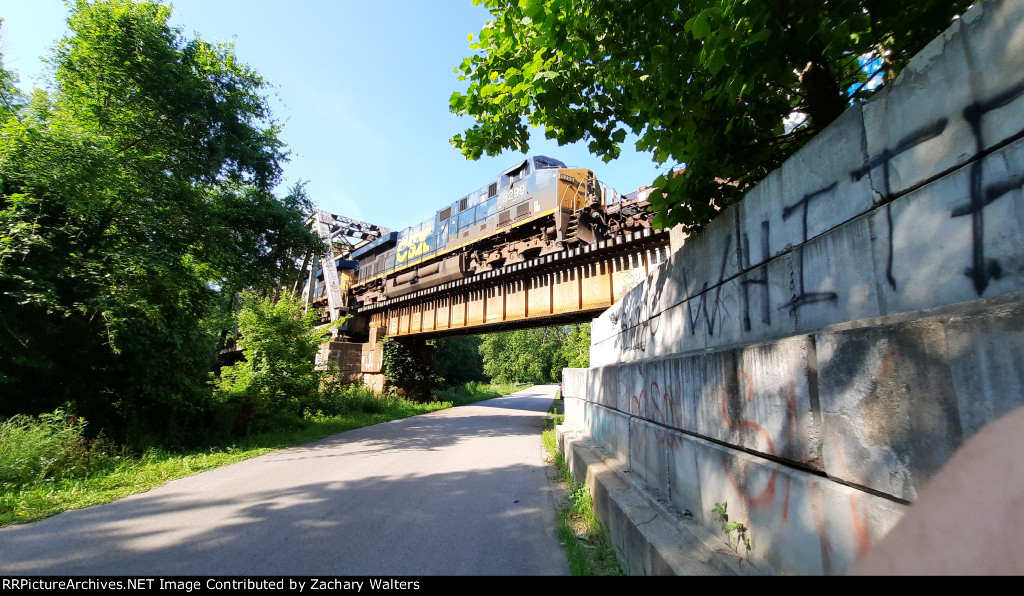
(576, 347)
(11, 98)
(533, 355)
(706, 85)
(133, 199)
(280, 340)
(457, 360)
(407, 367)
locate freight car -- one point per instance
(536, 207)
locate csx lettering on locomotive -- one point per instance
(413, 245)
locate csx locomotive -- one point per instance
(537, 207)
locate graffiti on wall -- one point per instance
(762, 281)
(636, 317)
(803, 296)
(718, 313)
(706, 308)
(983, 270)
(884, 161)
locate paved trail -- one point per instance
(462, 491)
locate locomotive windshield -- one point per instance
(542, 162)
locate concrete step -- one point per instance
(650, 536)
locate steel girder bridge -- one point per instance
(573, 285)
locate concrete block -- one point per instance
(574, 382)
(709, 384)
(664, 394)
(798, 523)
(718, 469)
(595, 386)
(913, 133)
(853, 521)
(636, 326)
(649, 447)
(665, 402)
(649, 374)
(673, 332)
(786, 526)
(606, 325)
(633, 385)
(641, 341)
(602, 352)
(833, 282)
(933, 248)
(610, 429)
(778, 413)
(995, 51)
(889, 412)
(802, 524)
(611, 389)
(575, 413)
(709, 319)
(810, 194)
(347, 356)
(372, 358)
(708, 259)
(986, 361)
(758, 213)
(684, 477)
(762, 294)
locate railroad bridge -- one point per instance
(571, 285)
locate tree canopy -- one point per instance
(136, 198)
(457, 360)
(706, 86)
(535, 355)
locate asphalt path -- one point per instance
(463, 491)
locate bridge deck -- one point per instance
(572, 286)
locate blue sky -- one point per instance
(362, 88)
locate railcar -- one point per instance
(534, 208)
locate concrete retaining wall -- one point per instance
(818, 353)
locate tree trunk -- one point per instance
(825, 101)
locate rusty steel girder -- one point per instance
(572, 286)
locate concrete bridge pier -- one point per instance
(364, 361)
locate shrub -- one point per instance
(337, 398)
(413, 379)
(34, 448)
(280, 341)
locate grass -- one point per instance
(111, 475)
(579, 530)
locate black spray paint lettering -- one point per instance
(805, 297)
(983, 270)
(637, 321)
(884, 159)
(766, 316)
(709, 317)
